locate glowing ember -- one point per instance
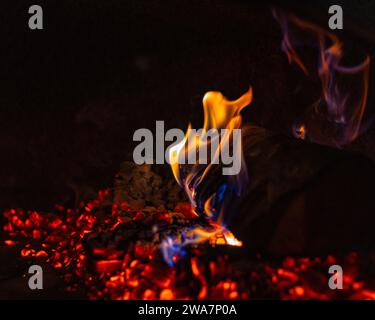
(231, 239)
(72, 242)
(300, 132)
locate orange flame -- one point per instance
(219, 113)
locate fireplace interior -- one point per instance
(102, 227)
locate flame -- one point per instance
(337, 118)
(300, 131)
(219, 113)
(173, 249)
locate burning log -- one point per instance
(301, 198)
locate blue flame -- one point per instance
(171, 249)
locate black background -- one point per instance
(72, 95)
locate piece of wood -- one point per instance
(301, 198)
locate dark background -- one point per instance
(72, 95)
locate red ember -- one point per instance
(134, 269)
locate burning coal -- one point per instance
(88, 247)
(93, 248)
(337, 117)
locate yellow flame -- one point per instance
(218, 235)
(219, 113)
(232, 240)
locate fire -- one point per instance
(219, 113)
(300, 131)
(337, 118)
(115, 251)
(225, 238)
(137, 273)
(232, 240)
